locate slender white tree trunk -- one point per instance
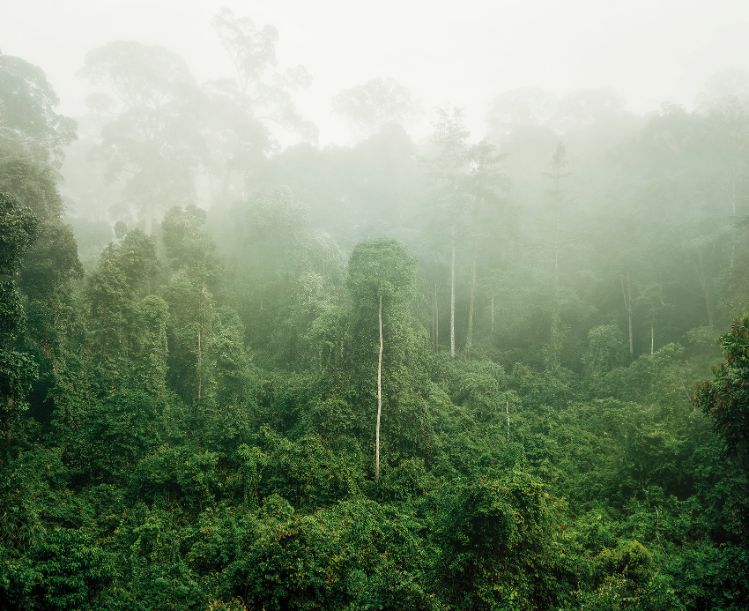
(200, 344)
(556, 254)
(379, 397)
(732, 251)
(471, 308)
(627, 295)
(492, 313)
(200, 365)
(652, 339)
(706, 283)
(452, 295)
(435, 321)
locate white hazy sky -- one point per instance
(445, 51)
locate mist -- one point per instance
(443, 53)
(412, 305)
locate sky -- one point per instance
(446, 52)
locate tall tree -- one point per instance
(448, 165)
(18, 227)
(33, 137)
(374, 104)
(726, 398)
(488, 219)
(124, 276)
(208, 362)
(381, 281)
(557, 198)
(29, 122)
(191, 255)
(260, 83)
(151, 145)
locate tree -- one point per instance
(32, 183)
(151, 356)
(496, 541)
(279, 270)
(381, 280)
(32, 138)
(18, 228)
(651, 296)
(29, 123)
(151, 145)
(235, 142)
(191, 303)
(208, 364)
(49, 268)
(191, 329)
(448, 166)
(605, 349)
(115, 289)
(374, 104)
(488, 219)
(558, 199)
(587, 107)
(187, 243)
(726, 398)
(259, 82)
(526, 107)
(471, 193)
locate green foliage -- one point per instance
(180, 475)
(114, 291)
(726, 398)
(151, 359)
(18, 227)
(605, 349)
(304, 471)
(355, 554)
(190, 423)
(382, 270)
(27, 107)
(109, 438)
(498, 544)
(380, 267)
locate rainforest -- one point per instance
(385, 356)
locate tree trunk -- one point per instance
(507, 414)
(379, 397)
(732, 250)
(709, 306)
(471, 308)
(652, 339)
(707, 289)
(556, 255)
(200, 363)
(452, 295)
(435, 321)
(627, 294)
(492, 313)
(200, 343)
